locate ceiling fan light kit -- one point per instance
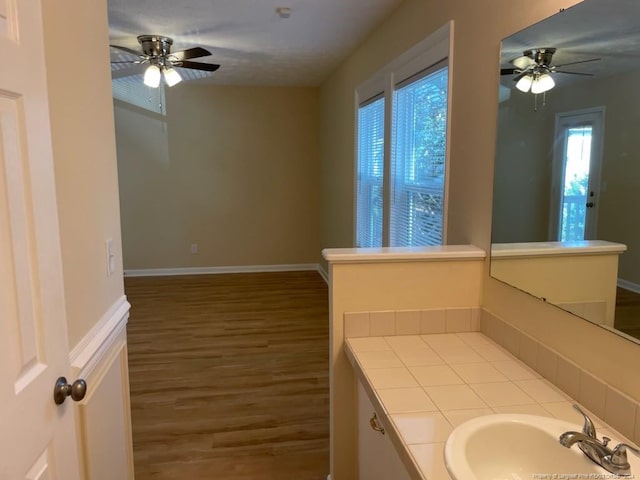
(536, 83)
(283, 12)
(156, 53)
(171, 76)
(152, 76)
(524, 84)
(542, 83)
(533, 70)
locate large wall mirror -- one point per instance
(566, 206)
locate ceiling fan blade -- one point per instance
(195, 52)
(520, 75)
(509, 71)
(523, 62)
(208, 67)
(127, 49)
(573, 73)
(575, 63)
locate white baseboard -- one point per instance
(94, 345)
(164, 272)
(634, 287)
(324, 274)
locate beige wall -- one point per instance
(384, 286)
(234, 169)
(84, 157)
(477, 34)
(575, 282)
(526, 153)
(478, 31)
(621, 159)
(474, 107)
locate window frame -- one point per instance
(370, 181)
(434, 50)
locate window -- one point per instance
(370, 173)
(401, 150)
(576, 183)
(418, 158)
(575, 179)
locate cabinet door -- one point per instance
(377, 457)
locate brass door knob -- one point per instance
(373, 421)
(62, 390)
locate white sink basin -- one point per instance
(516, 447)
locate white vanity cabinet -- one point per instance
(377, 457)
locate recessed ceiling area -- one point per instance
(253, 42)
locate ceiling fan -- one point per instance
(156, 53)
(533, 70)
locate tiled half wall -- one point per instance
(411, 322)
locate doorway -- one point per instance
(575, 180)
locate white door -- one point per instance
(577, 162)
(38, 438)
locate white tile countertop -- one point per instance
(424, 386)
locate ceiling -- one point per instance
(607, 30)
(254, 45)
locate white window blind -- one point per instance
(401, 138)
(132, 90)
(418, 159)
(370, 170)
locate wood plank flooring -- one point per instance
(628, 312)
(229, 376)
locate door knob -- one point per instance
(62, 390)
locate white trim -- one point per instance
(595, 116)
(548, 249)
(94, 345)
(435, 49)
(448, 139)
(429, 51)
(404, 254)
(324, 274)
(164, 272)
(627, 285)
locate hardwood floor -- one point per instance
(229, 376)
(628, 312)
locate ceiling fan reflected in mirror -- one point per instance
(533, 70)
(156, 53)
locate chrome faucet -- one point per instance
(614, 461)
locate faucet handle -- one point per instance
(588, 428)
(619, 454)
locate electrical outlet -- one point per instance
(111, 256)
(194, 248)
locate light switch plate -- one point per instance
(111, 257)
